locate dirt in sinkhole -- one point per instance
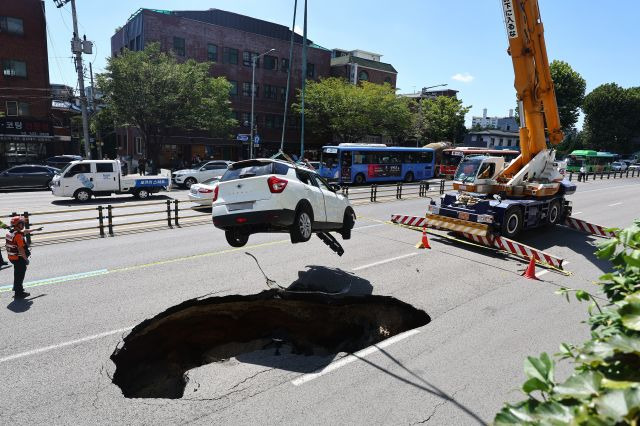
(153, 360)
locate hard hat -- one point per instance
(17, 219)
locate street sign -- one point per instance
(256, 140)
(242, 137)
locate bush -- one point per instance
(605, 386)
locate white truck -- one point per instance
(86, 178)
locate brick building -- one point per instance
(228, 40)
(359, 65)
(25, 101)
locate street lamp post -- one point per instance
(254, 59)
(419, 127)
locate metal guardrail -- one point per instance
(174, 212)
(616, 174)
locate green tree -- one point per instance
(611, 117)
(334, 107)
(441, 119)
(152, 91)
(570, 88)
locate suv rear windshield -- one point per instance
(251, 168)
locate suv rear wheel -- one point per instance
(347, 223)
(236, 238)
(302, 227)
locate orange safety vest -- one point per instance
(13, 240)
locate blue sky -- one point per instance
(461, 43)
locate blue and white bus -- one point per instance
(361, 163)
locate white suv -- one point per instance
(203, 171)
(267, 195)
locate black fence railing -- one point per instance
(615, 174)
(396, 191)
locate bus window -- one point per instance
(359, 157)
(426, 157)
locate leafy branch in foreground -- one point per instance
(605, 386)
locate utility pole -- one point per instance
(77, 47)
(304, 80)
(286, 96)
(93, 108)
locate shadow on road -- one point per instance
(22, 305)
(320, 279)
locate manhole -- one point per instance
(155, 356)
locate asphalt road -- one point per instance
(458, 369)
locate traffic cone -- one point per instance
(424, 242)
(530, 272)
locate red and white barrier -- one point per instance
(587, 227)
(408, 220)
(505, 244)
(517, 249)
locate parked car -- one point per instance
(202, 193)
(618, 166)
(59, 161)
(635, 166)
(200, 173)
(267, 195)
(27, 176)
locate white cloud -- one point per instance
(463, 77)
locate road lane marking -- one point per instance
(573, 214)
(368, 226)
(354, 357)
(384, 261)
(56, 280)
(614, 204)
(66, 278)
(609, 188)
(64, 344)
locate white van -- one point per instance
(86, 178)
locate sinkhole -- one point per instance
(152, 361)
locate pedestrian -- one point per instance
(3, 226)
(583, 171)
(18, 253)
(142, 165)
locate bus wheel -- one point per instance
(408, 178)
(359, 179)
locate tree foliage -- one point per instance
(441, 118)
(350, 112)
(570, 88)
(605, 386)
(612, 117)
(149, 89)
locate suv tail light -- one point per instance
(205, 190)
(215, 193)
(277, 185)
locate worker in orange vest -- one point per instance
(18, 254)
(2, 262)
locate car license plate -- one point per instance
(240, 206)
(463, 215)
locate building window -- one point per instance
(11, 25)
(138, 145)
(283, 93)
(178, 46)
(23, 108)
(270, 92)
(501, 141)
(284, 65)
(493, 142)
(247, 57)
(311, 70)
(270, 63)
(12, 108)
(12, 68)
(234, 88)
(363, 76)
(246, 89)
(212, 52)
(230, 56)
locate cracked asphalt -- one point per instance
(458, 370)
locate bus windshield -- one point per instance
(329, 158)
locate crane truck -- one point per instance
(492, 197)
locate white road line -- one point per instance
(573, 214)
(350, 358)
(369, 226)
(64, 344)
(631, 185)
(384, 261)
(614, 204)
